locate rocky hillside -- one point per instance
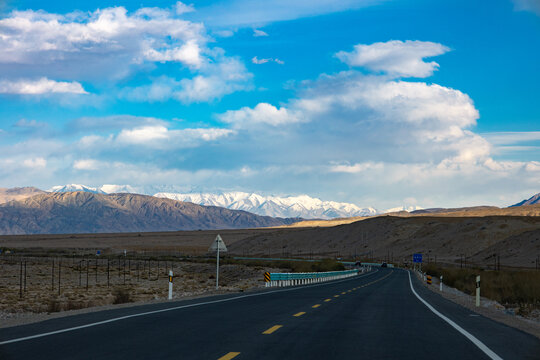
(84, 212)
(383, 237)
(18, 193)
(535, 199)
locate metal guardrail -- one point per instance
(293, 279)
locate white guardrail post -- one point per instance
(170, 284)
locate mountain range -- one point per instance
(302, 206)
(88, 212)
(535, 199)
(293, 206)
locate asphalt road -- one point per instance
(374, 316)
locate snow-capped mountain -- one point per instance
(117, 189)
(104, 189)
(75, 187)
(403, 208)
(293, 206)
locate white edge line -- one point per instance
(173, 308)
(464, 332)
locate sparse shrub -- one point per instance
(121, 296)
(75, 305)
(54, 305)
(515, 288)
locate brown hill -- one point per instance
(82, 212)
(475, 211)
(397, 238)
(18, 193)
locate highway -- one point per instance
(372, 316)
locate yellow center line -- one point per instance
(299, 314)
(316, 306)
(229, 356)
(272, 329)
(343, 293)
(336, 295)
(327, 300)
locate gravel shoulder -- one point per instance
(489, 308)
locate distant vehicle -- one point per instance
(384, 264)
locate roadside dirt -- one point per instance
(489, 308)
(144, 283)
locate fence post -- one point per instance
(108, 272)
(20, 281)
(24, 275)
(59, 274)
(440, 284)
(478, 291)
(87, 266)
(52, 280)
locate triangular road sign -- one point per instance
(218, 244)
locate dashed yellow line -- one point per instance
(299, 314)
(343, 293)
(336, 295)
(229, 356)
(316, 306)
(327, 300)
(272, 329)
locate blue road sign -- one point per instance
(417, 258)
(98, 252)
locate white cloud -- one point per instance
(109, 45)
(37, 162)
(106, 42)
(224, 33)
(182, 8)
(259, 33)
(189, 54)
(225, 76)
(39, 87)
(162, 137)
(397, 58)
(258, 61)
(86, 164)
(515, 137)
(356, 168)
(263, 113)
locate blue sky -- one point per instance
(380, 103)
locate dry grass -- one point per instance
(509, 288)
(191, 279)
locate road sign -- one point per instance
(267, 276)
(218, 244)
(417, 258)
(98, 252)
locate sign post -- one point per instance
(417, 259)
(218, 245)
